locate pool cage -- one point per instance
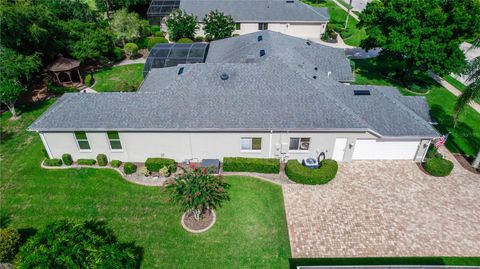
(172, 54)
(159, 9)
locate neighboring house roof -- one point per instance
(294, 51)
(258, 10)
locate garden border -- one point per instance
(182, 222)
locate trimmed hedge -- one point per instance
(155, 164)
(129, 168)
(185, 40)
(102, 159)
(116, 163)
(438, 167)
(67, 159)
(53, 162)
(152, 41)
(304, 175)
(258, 165)
(159, 34)
(86, 161)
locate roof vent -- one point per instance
(250, 59)
(262, 53)
(180, 70)
(224, 76)
(289, 1)
(314, 77)
(316, 68)
(260, 38)
(308, 42)
(361, 92)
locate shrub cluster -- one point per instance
(102, 159)
(259, 165)
(159, 34)
(155, 164)
(185, 40)
(53, 162)
(152, 41)
(86, 161)
(154, 28)
(117, 54)
(438, 167)
(116, 163)
(67, 159)
(304, 175)
(9, 243)
(129, 168)
(131, 49)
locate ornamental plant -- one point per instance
(217, 25)
(198, 192)
(181, 24)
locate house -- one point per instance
(263, 95)
(291, 17)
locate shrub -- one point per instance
(77, 244)
(53, 162)
(142, 43)
(433, 153)
(116, 163)
(131, 49)
(60, 90)
(152, 41)
(199, 39)
(117, 54)
(180, 24)
(438, 167)
(9, 243)
(86, 161)
(164, 171)
(102, 159)
(154, 28)
(129, 168)
(185, 40)
(259, 165)
(304, 175)
(159, 34)
(67, 159)
(144, 171)
(155, 164)
(217, 25)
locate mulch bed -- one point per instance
(203, 223)
(465, 164)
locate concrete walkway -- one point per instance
(452, 89)
(129, 61)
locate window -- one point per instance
(82, 140)
(299, 143)
(263, 26)
(114, 140)
(251, 143)
(237, 26)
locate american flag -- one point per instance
(441, 140)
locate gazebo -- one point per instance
(64, 69)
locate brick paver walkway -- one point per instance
(385, 208)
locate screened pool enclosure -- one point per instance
(161, 8)
(172, 54)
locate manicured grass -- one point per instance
(117, 79)
(352, 36)
(250, 232)
(457, 84)
(464, 138)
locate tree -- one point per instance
(69, 9)
(199, 191)
(127, 26)
(74, 244)
(109, 6)
(180, 25)
(10, 90)
(16, 66)
(218, 25)
(422, 35)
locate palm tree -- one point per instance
(471, 92)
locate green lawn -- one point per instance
(250, 232)
(117, 79)
(457, 84)
(464, 138)
(352, 36)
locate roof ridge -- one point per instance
(59, 103)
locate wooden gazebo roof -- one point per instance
(63, 64)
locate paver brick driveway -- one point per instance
(385, 208)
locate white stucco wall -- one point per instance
(138, 146)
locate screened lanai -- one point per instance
(161, 8)
(172, 54)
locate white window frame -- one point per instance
(78, 145)
(110, 145)
(262, 26)
(299, 144)
(251, 143)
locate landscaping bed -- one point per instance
(304, 175)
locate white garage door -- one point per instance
(371, 149)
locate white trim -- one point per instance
(110, 145)
(425, 153)
(250, 151)
(298, 150)
(270, 144)
(45, 144)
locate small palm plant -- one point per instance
(199, 192)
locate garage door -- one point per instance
(371, 149)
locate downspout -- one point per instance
(270, 145)
(425, 153)
(45, 145)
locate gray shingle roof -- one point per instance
(294, 51)
(273, 93)
(258, 10)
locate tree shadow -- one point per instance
(26, 233)
(4, 220)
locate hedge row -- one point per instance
(86, 161)
(53, 162)
(258, 165)
(155, 164)
(438, 167)
(304, 175)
